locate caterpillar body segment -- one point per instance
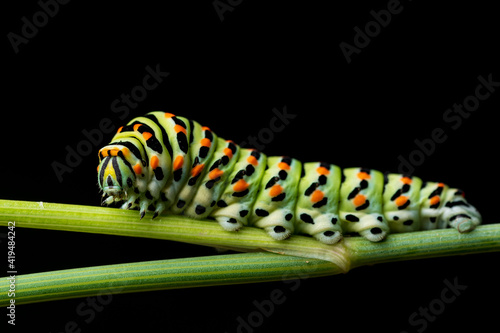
(432, 196)
(236, 203)
(361, 206)
(274, 207)
(201, 151)
(316, 211)
(402, 202)
(180, 129)
(169, 164)
(214, 180)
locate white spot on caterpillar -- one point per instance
(41, 205)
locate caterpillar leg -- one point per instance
(316, 212)
(361, 204)
(233, 208)
(275, 205)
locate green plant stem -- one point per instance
(161, 275)
(112, 221)
(305, 255)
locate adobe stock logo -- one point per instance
(264, 309)
(88, 310)
(420, 319)
(266, 134)
(39, 19)
(222, 7)
(94, 137)
(453, 117)
(372, 29)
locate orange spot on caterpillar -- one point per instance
(138, 168)
(363, 175)
(146, 135)
(228, 152)
(178, 162)
(125, 152)
(179, 128)
(240, 185)
(103, 152)
(440, 185)
(359, 200)
(283, 166)
(215, 173)
(113, 152)
(196, 170)
(136, 126)
(401, 200)
(205, 128)
(120, 129)
(169, 115)
(434, 200)
(252, 160)
(275, 190)
(205, 142)
(154, 162)
(317, 196)
(322, 170)
(406, 180)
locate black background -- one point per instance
(230, 75)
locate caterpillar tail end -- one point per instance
(278, 232)
(229, 223)
(465, 222)
(464, 225)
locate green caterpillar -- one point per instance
(166, 163)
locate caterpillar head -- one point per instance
(115, 178)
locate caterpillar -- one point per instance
(168, 164)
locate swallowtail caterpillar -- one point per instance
(169, 164)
